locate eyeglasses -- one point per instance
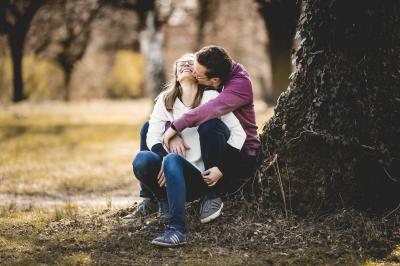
(184, 62)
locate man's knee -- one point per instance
(212, 126)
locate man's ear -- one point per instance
(215, 80)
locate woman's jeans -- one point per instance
(184, 182)
(214, 135)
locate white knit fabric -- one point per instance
(190, 136)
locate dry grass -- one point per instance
(69, 156)
(58, 149)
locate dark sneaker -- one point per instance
(170, 238)
(163, 211)
(210, 209)
(145, 208)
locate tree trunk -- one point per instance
(334, 139)
(280, 18)
(67, 83)
(17, 45)
(151, 45)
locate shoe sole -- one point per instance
(162, 244)
(212, 216)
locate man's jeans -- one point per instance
(184, 182)
(214, 135)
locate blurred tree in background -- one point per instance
(80, 45)
(15, 19)
(280, 17)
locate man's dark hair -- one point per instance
(217, 61)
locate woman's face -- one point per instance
(184, 68)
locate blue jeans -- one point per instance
(184, 182)
(213, 137)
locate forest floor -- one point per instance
(66, 181)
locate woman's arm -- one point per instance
(158, 118)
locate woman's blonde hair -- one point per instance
(174, 90)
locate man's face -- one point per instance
(199, 72)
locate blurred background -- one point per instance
(78, 79)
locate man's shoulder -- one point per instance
(239, 77)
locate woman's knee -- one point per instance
(144, 130)
(144, 164)
(172, 163)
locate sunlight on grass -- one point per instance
(76, 259)
(59, 152)
(61, 149)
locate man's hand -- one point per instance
(178, 146)
(168, 135)
(160, 176)
(211, 176)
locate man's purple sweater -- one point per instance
(236, 97)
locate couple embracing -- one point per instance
(200, 142)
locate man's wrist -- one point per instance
(173, 127)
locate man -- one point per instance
(214, 68)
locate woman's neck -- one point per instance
(189, 91)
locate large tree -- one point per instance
(334, 138)
(280, 18)
(15, 19)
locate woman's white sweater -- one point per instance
(190, 136)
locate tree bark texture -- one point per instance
(334, 140)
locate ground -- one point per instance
(66, 181)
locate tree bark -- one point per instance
(334, 138)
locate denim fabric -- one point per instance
(184, 183)
(214, 135)
(144, 192)
(146, 166)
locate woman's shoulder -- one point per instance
(209, 94)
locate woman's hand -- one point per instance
(178, 146)
(212, 176)
(161, 176)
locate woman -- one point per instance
(172, 178)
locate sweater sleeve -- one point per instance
(236, 93)
(158, 119)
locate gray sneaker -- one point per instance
(210, 209)
(145, 208)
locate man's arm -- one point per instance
(235, 94)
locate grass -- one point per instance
(58, 152)
(54, 150)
